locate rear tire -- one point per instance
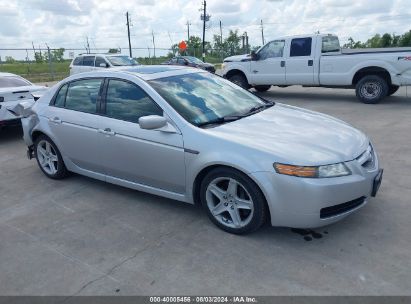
(49, 158)
(392, 90)
(233, 202)
(240, 80)
(371, 89)
(262, 88)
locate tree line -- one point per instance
(381, 41)
(234, 44)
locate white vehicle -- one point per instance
(92, 62)
(318, 60)
(13, 90)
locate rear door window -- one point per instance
(100, 60)
(301, 47)
(88, 61)
(82, 95)
(61, 97)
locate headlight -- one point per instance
(223, 66)
(313, 172)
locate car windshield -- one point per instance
(193, 59)
(10, 82)
(203, 98)
(122, 60)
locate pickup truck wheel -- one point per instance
(392, 90)
(262, 88)
(371, 89)
(239, 80)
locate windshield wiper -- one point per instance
(221, 120)
(255, 109)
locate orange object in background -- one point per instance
(182, 45)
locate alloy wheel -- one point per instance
(47, 156)
(229, 202)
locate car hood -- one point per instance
(296, 136)
(238, 58)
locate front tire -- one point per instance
(233, 201)
(262, 88)
(49, 158)
(239, 80)
(371, 89)
(392, 90)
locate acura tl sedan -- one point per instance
(191, 136)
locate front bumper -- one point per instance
(315, 202)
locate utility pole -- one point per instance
(154, 44)
(262, 31)
(221, 41)
(246, 43)
(204, 26)
(128, 33)
(88, 46)
(188, 31)
(34, 50)
(221, 33)
(50, 67)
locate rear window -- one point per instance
(10, 82)
(330, 44)
(301, 47)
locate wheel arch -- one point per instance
(202, 174)
(236, 71)
(372, 70)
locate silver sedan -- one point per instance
(191, 136)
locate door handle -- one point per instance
(255, 71)
(106, 131)
(282, 63)
(55, 120)
(310, 62)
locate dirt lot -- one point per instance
(84, 237)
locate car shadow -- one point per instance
(10, 134)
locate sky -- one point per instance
(67, 23)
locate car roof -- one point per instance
(102, 54)
(148, 72)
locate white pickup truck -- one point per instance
(318, 61)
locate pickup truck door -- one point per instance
(301, 62)
(269, 68)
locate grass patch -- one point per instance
(38, 72)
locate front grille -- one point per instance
(341, 208)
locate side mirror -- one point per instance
(254, 56)
(103, 65)
(152, 122)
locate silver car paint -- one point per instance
(167, 164)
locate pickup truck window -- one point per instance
(273, 49)
(330, 44)
(301, 47)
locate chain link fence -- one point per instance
(48, 65)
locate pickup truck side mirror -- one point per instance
(254, 56)
(104, 65)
